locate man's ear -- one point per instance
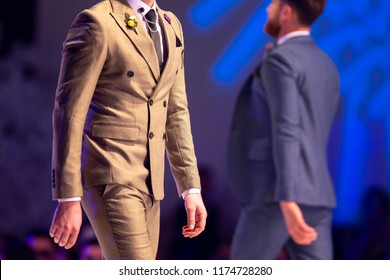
(286, 11)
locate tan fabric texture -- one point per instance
(125, 220)
(115, 113)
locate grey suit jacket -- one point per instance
(280, 128)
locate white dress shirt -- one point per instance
(142, 9)
(293, 34)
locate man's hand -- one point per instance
(66, 223)
(300, 232)
(196, 215)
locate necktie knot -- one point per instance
(151, 18)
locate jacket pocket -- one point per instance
(115, 131)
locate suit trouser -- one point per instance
(261, 233)
(125, 220)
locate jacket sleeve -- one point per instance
(83, 57)
(180, 147)
(283, 98)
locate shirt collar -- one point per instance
(140, 7)
(293, 34)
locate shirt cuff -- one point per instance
(69, 199)
(190, 191)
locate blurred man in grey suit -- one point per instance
(278, 142)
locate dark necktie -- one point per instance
(151, 23)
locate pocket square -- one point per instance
(178, 43)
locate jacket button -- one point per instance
(130, 74)
(165, 104)
(151, 102)
(151, 135)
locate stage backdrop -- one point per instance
(224, 41)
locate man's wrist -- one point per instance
(69, 199)
(190, 191)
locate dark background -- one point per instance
(224, 41)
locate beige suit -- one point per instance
(115, 113)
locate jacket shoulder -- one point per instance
(102, 6)
(281, 59)
(174, 21)
(99, 10)
(95, 15)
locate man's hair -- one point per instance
(308, 10)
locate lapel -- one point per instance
(142, 40)
(169, 38)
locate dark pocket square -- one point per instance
(178, 43)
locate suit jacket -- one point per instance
(115, 113)
(280, 128)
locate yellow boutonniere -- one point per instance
(131, 22)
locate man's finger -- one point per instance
(72, 240)
(192, 233)
(195, 232)
(64, 239)
(198, 229)
(312, 234)
(202, 221)
(190, 217)
(52, 230)
(57, 236)
(303, 238)
(304, 227)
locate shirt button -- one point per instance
(151, 135)
(130, 74)
(165, 104)
(151, 102)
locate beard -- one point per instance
(272, 27)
